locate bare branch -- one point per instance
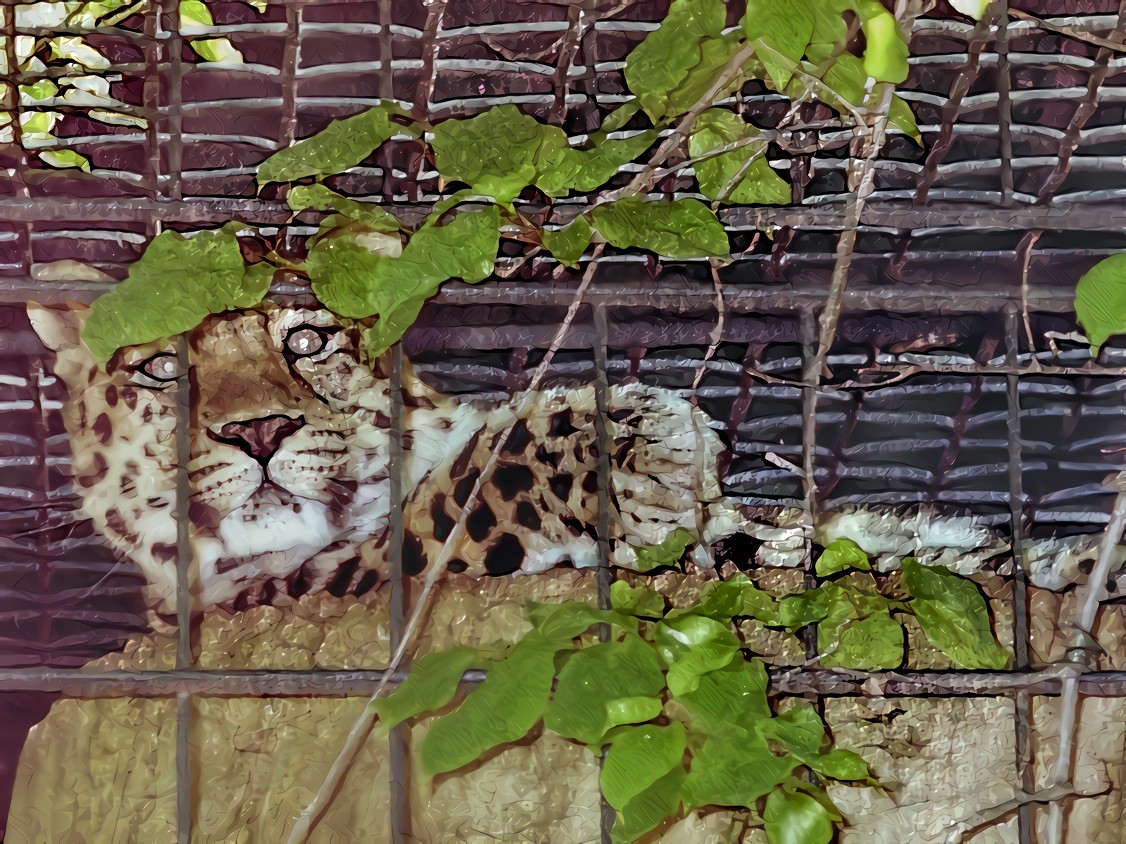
(1069, 31)
(957, 833)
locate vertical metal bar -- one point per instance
(605, 446)
(1004, 101)
(811, 388)
(399, 749)
(1021, 636)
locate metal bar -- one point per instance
(80, 683)
(1109, 216)
(399, 739)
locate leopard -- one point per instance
(285, 468)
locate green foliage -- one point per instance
(502, 709)
(780, 30)
(569, 243)
(759, 184)
(595, 677)
(1100, 300)
(848, 78)
(172, 288)
(669, 553)
(680, 228)
(683, 718)
(664, 61)
(320, 198)
(342, 144)
(353, 281)
(839, 555)
(795, 818)
(637, 758)
(885, 52)
(431, 685)
(954, 616)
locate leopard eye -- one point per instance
(305, 341)
(161, 368)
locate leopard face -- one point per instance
(287, 466)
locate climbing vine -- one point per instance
(675, 703)
(65, 70)
(366, 262)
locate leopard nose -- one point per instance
(259, 438)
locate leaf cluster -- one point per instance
(671, 700)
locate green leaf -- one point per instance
(716, 128)
(954, 615)
(796, 818)
(596, 676)
(839, 764)
(431, 684)
(392, 325)
(194, 12)
(691, 646)
(569, 619)
(799, 729)
(619, 117)
(715, 55)
(669, 553)
(494, 152)
(352, 281)
(64, 159)
(677, 229)
(340, 145)
(885, 53)
(637, 758)
(602, 161)
(171, 289)
(632, 710)
(849, 79)
(734, 770)
(808, 607)
(215, 50)
(502, 709)
(569, 243)
(842, 554)
(733, 696)
(44, 89)
(646, 811)
(636, 600)
(1100, 300)
(660, 63)
(723, 600)
(872, 643)
(320, 198)
(786, 27)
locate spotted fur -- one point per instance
(288, 479)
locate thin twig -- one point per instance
(958, 832)
(1088, 601)
(1069, 31)
(717, 332)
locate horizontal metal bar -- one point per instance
(84, 684)
(829, 216)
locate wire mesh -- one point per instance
(1023, 127)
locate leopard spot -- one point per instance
(111, 395)
(456, 566)
(443, 523)
(342, 578)
(590, 482)
(561, 425)
(464, 487)
(129, 396)
(462, 463)
(561, 485)
(100, 470)
(414, 555)
(512, 480)
(368, 582)
(103, 428)
(506, 555)
(526, 516)
(518, 438)
(163, 552)
(116, 522)
(480, 522)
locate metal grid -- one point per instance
(991, 222)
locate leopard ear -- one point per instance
(60, 329)
(58, 326)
